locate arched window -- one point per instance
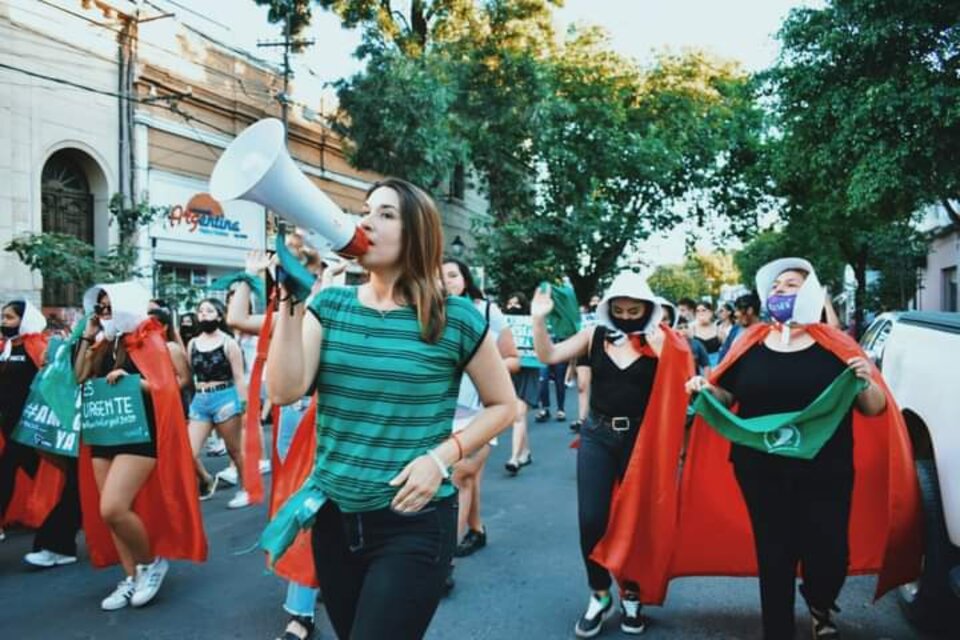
(66, 207)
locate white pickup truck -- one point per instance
(919, 355)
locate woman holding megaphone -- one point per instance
(386, 359)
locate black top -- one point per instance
(16, 375)
(615, 391)
(109, 363)
(210, 366)
(712, 345)
(764, 381)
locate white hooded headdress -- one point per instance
(629, 284)
(809, 304)
(664, 304)
(128, 300)
(31, 322)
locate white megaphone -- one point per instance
(257, 167)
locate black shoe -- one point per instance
(591, 624)
(542, 416)
(512, 468)
(575, 426)
(472, 542)
(823, 626)
(631, 620)
(298, 628)
(528, 460)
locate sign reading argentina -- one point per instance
(113, 414)
(40, 428)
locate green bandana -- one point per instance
(564, 320)
(256, 284)
(798, 434)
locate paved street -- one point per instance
(527, 583)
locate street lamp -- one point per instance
(457, 247)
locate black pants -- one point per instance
(382, 573)
(58, 533)
(798, 517)
(601, 462)
(15, 457)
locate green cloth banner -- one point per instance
(798, 434)
(522, 329)
(564, 320)
(57, 382)
(256, 284)
(40, 428)
(296, 514)
(296, 278)
(113, 414)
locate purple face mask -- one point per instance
(781, 306)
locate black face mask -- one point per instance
(208, 326)
(633, 325)
(9, 332)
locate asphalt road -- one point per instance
(527, 583)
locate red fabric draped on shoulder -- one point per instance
(714, 536)
(252, 446)
(34, 498)
(168, 502)
(640, 533)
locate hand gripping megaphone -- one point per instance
(257, 167)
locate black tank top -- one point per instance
(712, 345)
(615, 391)
(210, 366)
(16, 376)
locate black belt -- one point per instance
(620, 424)
(217, 387)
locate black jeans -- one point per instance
(798, 517)
(58, 533)
(602, 460)
(559, 374)
(382, 573)
(15, 457)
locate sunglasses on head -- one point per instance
(102, 309)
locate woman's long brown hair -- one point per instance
(421, 252)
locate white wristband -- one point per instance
(443, 469)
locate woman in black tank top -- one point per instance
(622, 351)
(217, 365)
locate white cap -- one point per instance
(629, 284)
(809, 305)
(128, 300)
(664, 303)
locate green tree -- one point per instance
(866, 94)
(772, 244)
(675, 281)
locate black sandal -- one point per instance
(301, 624)
(512, 468)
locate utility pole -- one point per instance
(288, 43)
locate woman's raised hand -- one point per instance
(257, 262)
(542, 303)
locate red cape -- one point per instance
(168, 502)
(33, 498)
(252, 447)
(290, 474)
(714, 536)
(639, 537)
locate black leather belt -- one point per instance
(619, 424)
(217, 387)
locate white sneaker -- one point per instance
(3, 536)
(264, 467)
(239, 500)
(228, 476)
(215, 447)
(149, 578)
(44, 558)
(120, 596)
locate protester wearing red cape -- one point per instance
(167, 503)
(714, 534)
(629, 447)
(32, 498)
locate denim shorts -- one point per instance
(216, 406)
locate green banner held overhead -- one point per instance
(40, 428)
(113, 414)
(798, 434)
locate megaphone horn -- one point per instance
(257, 167)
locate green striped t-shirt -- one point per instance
(384, 396)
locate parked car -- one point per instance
(919, 355)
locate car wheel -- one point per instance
(929, 603)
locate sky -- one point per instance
(740, 30)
